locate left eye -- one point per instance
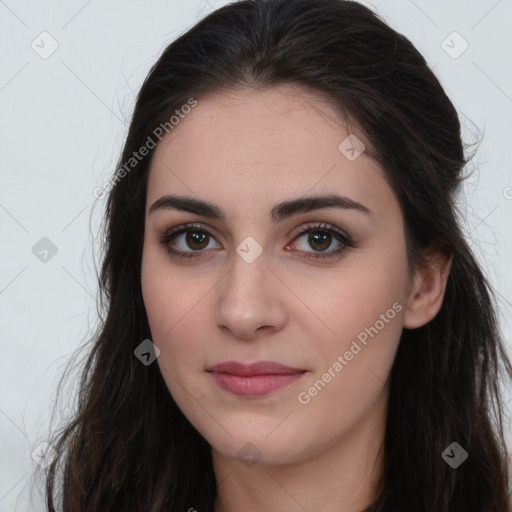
(197, 239)
(320, 237)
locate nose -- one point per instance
(250, 300)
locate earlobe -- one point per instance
(427, 292)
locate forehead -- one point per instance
(256, 146)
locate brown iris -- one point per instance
(196, 237)
(319, 237)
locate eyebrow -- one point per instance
(279, 212)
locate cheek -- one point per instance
(174, 324)
(175, 307)
(363, 307)
(173, 330)
(348, 382)
(359, 295)
(169, 297)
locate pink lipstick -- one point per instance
(255, 379)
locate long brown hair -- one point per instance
(128, 447)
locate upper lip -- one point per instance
(257, 368)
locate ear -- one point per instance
(427, 291)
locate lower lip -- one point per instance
(255, 385)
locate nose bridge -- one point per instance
(247, 280)
(248, 298)
(249, 264)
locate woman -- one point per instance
(292, 317)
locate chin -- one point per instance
(256, 445)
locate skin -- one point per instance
(245, 151)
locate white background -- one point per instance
(62, 123)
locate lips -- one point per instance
(255, 379)
(258, 368)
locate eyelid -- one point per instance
(321, 226)
(190, 226)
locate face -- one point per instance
(318, 287)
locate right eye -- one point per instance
(196, 238)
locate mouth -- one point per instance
(255, 379)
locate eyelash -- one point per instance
(338, 235)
